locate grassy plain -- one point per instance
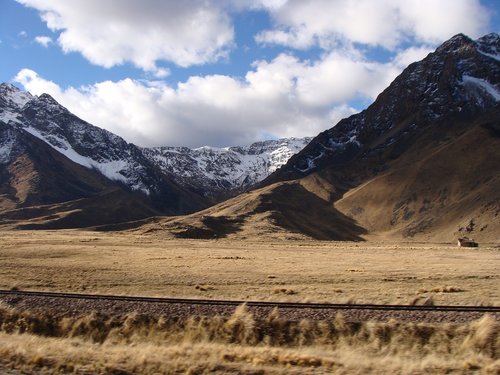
(364, 272)
(127, 263)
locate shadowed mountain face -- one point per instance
(421, 162)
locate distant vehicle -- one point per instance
(467, 242)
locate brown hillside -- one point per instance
(107, 207)
(36, 174)
(283, 210)
(437, 187)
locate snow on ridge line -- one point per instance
(484, 84)
(236, 165)
(496, 57)
(210, 148)
(15, 95)
(110, 169)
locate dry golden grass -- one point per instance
(127, 263)
(138, 344)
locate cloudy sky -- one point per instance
(222, 72)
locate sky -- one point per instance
(223, 72)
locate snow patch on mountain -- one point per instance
(484, 85)
(6, 146)
(9, 117)
(112, 169)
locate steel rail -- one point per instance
(284, 305)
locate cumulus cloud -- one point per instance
(282, 97)
(385, 23)
(43, 40)
(113, 32)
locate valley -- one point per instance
(272, 270)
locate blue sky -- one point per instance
(223, 72)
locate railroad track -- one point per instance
(282, 305)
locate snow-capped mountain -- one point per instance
(462, 76)
(165, 175)
(221, 172)
(81, 142)
(122, 164)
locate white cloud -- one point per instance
(43, 40)
(387, 23)
(23, 33)
(410, 55)
(284, 97)
(113, 32)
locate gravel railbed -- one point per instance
(78, 307)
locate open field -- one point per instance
(45, 342)
(364, 272)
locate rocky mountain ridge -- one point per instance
(461, 76)
(174, 180)
(224, 172)
(420, 163)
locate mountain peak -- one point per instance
(46, 98)
(490, 45)
(456, 43)
(461, 77)
(490, 38)
(8, 86)
(13, 96)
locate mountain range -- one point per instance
(59, 171)
(420, 163)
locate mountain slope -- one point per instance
(263, 213)
(421, 162)
(33, 173)
(437, 187)
(41, 188)
(51, 161)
